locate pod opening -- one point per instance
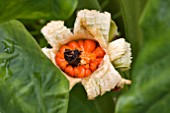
(79, 58)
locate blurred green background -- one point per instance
(144, 23)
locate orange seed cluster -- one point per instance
(79, 58)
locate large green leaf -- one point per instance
(36, 9)
(131, 12)
(79, 103)
(29, 82)
(150, 91)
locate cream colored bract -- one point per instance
(96, 26)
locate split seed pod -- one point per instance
(99, 27)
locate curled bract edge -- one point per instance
(96, 26)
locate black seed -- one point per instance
(72, 57)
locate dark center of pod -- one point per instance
(72, 57)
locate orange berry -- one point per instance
(63, 65)
(88, 72)
(99, 60)
(86, 66)
(81, 43)
(92, 56)
(62, 48)
(93, 65)
(59, 60)
(99, 52)
(87, 56)
(60, 55)
(70, 71)
(76, 71)
(81, 72)
(89, 45)
(73, 45)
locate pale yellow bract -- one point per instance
(96, 26)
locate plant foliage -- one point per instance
(30, 83)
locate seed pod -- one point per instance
(96, 26)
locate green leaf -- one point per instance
(150, 76)
(131, 12)
(79, 103)
(29, 82)
(82, 4)
(88, 4)
(113, 30)
(36, 9)
(113, 7)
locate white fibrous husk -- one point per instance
(96, 26)
(50, 53)
(93, 24)
(124, 61)
(120, 54)
(103, 79)
(57, 34)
